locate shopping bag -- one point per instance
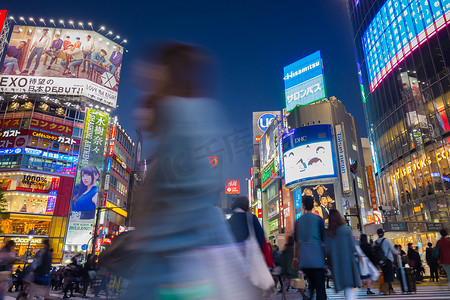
(258, 272)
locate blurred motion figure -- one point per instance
(182, 245)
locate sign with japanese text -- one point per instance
(85, 196)
(232, 186)
(268, 174)
(51, 126)
(101, 78)
(304, 81)
(373, 197)
(10, 123)
(297, 194)
(345, 176)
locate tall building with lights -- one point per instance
(57, 89)
(403, 59)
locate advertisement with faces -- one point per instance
(308, 153)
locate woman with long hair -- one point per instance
(85, 202)
(342, 255)
(181, 246)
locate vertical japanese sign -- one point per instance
(85, 196)
(373, 197)
(345, 178)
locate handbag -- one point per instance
(312, 255)
(299, 283)
(258, 272)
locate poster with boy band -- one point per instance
(324, 198)
(85, 198)
(62, 61)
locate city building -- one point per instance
(54, 123)
(403, 55)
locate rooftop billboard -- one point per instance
(308, 153)
(304, 81)
(62, 61)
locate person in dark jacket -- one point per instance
(415, 261)
(288, 273)
(238, 221)
(41, 267)
(367, 248)
(432, 263)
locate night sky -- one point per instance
(251, 41)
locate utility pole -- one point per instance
(354, 170)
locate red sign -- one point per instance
(373, 196)
(51, 126)
(232, 186)
(113, 133)
(2, 18)
(280, 202)
(107, 241)
(10, 123)
(259, 213)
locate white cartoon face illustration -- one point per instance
(311, 160)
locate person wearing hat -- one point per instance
(389, 252)
(238, 221)
(37, 49)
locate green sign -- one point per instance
(268, 174)
(85, 198)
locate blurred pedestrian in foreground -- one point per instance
(41, 267)
(308, 249)
(340, 247)
(7, 258)
(444, 252)
(182, 246)
(367, 268)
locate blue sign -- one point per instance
(396, 30)
(264, 120)
(11, 151)
(52, 155)
(304, 81)
(84, 247)
(308, 153)
(297, 203)
(108, 166)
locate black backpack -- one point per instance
(380, 258)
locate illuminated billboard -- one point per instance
(62, 61)
(308, 153)
(304, 81)
(261, 121)
(399, 27)
(267, 143)
(324, 198)
(85, 195)
(232, 186)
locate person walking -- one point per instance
(309, 255)
(238, 221)
(366, 262)
(276, 271)
(432, 262)
(341, 250)
(444, 252)
(41, 268)
(7, 258)
(288, 273)
(388, 251)
(415, 262)
(87, 273)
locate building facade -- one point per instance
(403, 59)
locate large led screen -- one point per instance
(303, 81)
(399, 27)
(62, 61)
(308, 153)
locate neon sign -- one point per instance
(399, 28)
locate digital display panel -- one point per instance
(399, 27)
(304, 81)
(324, 198)
(62, 61)
(308, 153)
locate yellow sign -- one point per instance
(116, 209)
(25, 241)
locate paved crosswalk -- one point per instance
(435, 292)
